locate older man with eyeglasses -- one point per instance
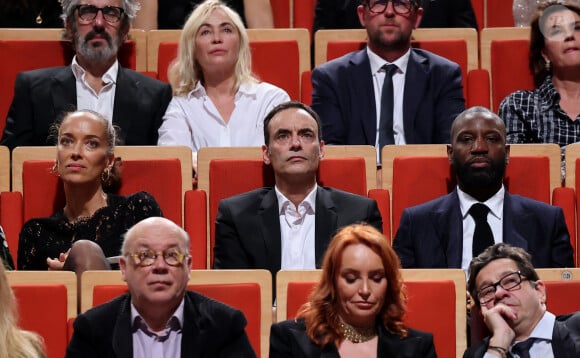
(158, 317)
(512, 299)
(95, 80)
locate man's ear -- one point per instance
(266, 154)
(450, 153)
(123, 266)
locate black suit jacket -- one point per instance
(565, 339)
(342, 95)
(41, 96)
(247, 227)
(341, 14)
(430, 235)
(210, 329)
(289, 339)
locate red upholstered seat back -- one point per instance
(561, 296)
(332, 172)
(281, 14)
(509, 68)
(420, 179)
(275, 62)
(247, 299)
(24, 55)
(43, 193)
(42, 308)
(422, 297)
(499, 13)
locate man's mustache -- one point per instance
(91, 35)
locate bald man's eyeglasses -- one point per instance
(172, 257)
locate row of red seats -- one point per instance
(441, 288)
(410, 175)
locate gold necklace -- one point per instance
(357, 335)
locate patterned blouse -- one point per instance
(536, 117)
(48, 237)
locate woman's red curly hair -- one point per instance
(320, 313)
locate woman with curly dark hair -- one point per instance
(357, 308)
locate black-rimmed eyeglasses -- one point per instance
(111, 14)
(172, 257)
(509, 282)
(400, 7)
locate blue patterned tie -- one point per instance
(522, 349)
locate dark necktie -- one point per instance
(386, 134)
(522, 349)
(482, 236)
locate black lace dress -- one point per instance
(48, 237)
(4, 252)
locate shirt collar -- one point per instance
(246, 89)
(108, 77)
(378, 62)
(175, 322)
(548, 93)
(495, 203)
(544, 328)
(283, 201)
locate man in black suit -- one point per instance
(442, 233)
(341, 14)
(288, 226)
(388, 93)
(512, 299)
(134, 102)
(158, 317)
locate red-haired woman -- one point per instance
(357, 307)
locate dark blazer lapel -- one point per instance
(562, 344)
(415, 85)
(449, 226)
(192, 337)
(516, 223)
(325, 222)
(63, 91)
(362, 82)
(392, 346)
(122, 332)
(310, 349)
(126, 97)
(270, 224)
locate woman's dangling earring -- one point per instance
(106, 175)
(548, 65)
(54, 169)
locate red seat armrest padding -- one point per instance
(566, 199)
(195, 224)
(11, 219)
(478, 88)
(383, 200)
(70, 328)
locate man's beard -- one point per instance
(478, 178)
(97, 54)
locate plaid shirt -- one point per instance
(536, 117)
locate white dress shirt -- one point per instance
(297, 231)
(194, 121)
(378, 73)
(494, 219)
(102, 102)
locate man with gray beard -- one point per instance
(449, 231)
(95, 80)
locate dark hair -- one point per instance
(537, 40)
(500, 251)
(287, 105)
